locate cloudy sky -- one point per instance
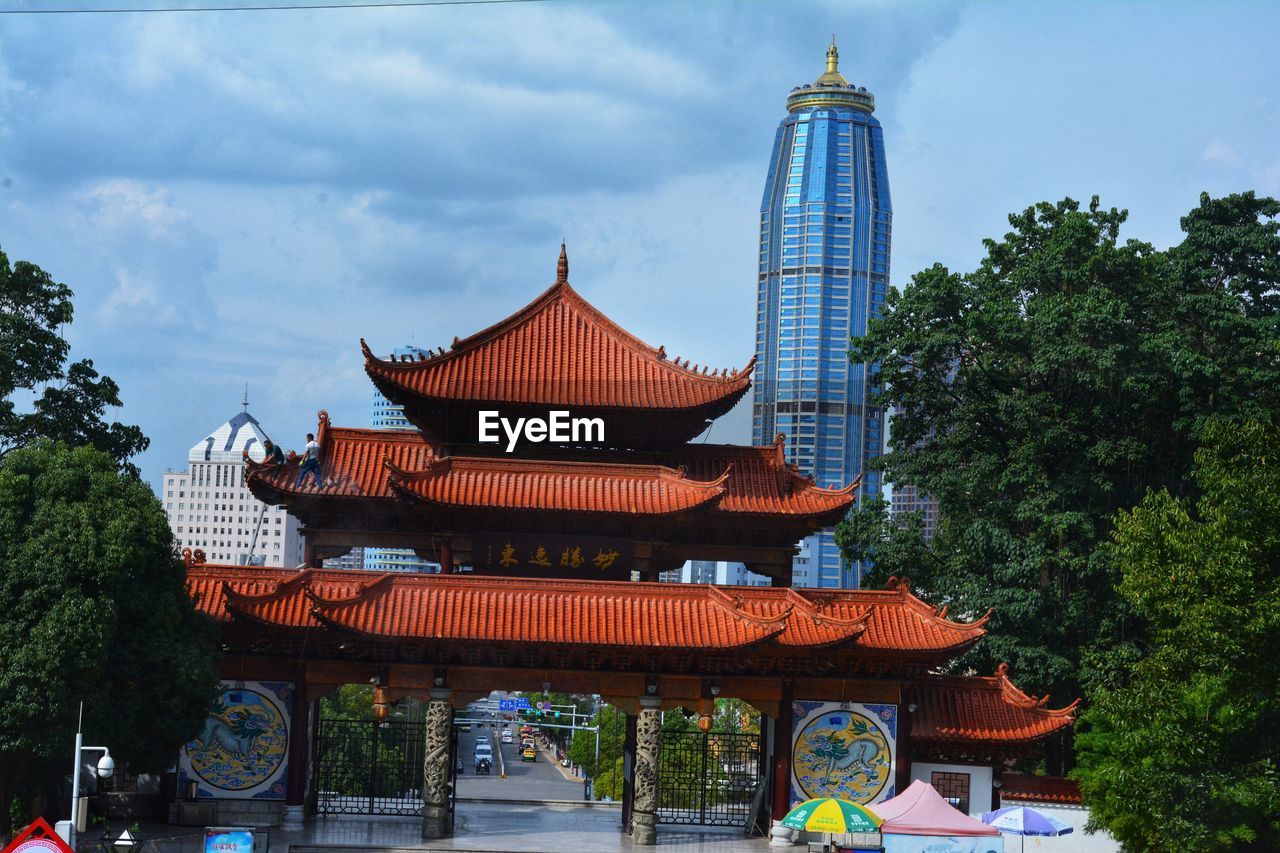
(240, 196)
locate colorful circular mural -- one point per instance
(842, 754)
(243, 742)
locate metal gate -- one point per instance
(368, 768)
(707, 779)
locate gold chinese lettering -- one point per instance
(508, 556)
(604, 559)
(571, 558)
(540, 558)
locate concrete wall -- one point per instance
(979, 782)
(249, 812)
(1074, 842)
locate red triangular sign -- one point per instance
(39, 837)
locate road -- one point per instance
(537, 781)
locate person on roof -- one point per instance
(275, 456)
(310, 461)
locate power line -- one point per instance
(290, 7)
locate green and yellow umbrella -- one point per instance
(832, 814)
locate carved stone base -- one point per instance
(644, 829)
(435, 822)
(781, 836)
(291, 819)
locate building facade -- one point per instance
(825, 222)
(909, 499)
(719, 572)
(387, 415)
(210, 509)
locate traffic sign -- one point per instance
(39, 837)
(518, 704)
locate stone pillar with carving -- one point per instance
(436, 771)
(648, 743)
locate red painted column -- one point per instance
(782, 754)
(446, 557)
(299, 758)
(906, 717)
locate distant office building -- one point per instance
(209, 507)
(717, 572)
(387, 415)
(824, 269)
(353, 560)
(907, 498)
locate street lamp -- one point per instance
(106, 767)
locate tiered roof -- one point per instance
(629, 625)
(1025, 788)
(989, 710)
(580, 487)
(388, 465)
(405, 610)
(559, 351)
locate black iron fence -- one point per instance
(707, 779)
(368, 768)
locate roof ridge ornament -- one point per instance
(562, 266)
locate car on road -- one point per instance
(528, 754)
(507, 736)
(482, 739)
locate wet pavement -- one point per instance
(480, 826)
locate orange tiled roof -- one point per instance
(969, 709)
(1023, 787)
(556, 486)
(749, 480)
(354, 462)
(622, 615)
(559, 350)
(761, 482)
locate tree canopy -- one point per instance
(93, 608)
(1186, 756)
(1051, 387)
(69, 400)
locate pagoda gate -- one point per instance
(550, 554)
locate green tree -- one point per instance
(582, 752)
(93, 608)
(1046, 390)
(71, 400)
(1187, 755)
(348, 702)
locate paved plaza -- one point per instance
(481, 826)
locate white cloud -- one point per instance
(122, 203)
(137, 300)
(1219, 151)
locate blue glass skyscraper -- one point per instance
(824, 268)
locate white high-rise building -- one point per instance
(210, 508)
(717, 572)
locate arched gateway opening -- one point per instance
(551, 538)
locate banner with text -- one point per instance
(552, 556)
